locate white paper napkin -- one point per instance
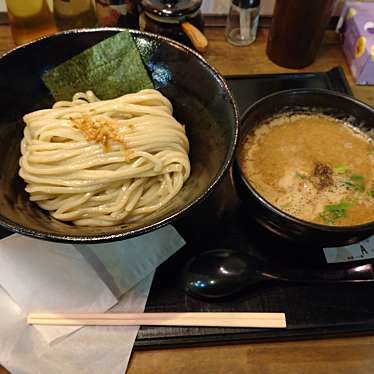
(119, 266)
(53, 277)
(91, 350)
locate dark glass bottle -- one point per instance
(297, 30)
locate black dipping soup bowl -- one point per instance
(327, 102)
(200, 98)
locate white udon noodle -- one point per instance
(77, 180)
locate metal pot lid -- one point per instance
(171, 8)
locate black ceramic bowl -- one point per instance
(200, 98)
(301, 100)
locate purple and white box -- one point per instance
(357, 28)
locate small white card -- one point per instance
(363, 250)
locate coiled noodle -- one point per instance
(100, 163)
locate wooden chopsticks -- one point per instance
(265, 320)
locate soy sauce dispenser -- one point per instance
(180, 20)
(242, 22)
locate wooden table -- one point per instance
(346, 355)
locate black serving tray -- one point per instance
(313, 311)
(249, 88)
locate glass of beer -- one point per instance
(30, 19)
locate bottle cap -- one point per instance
(246, 3)
(171, 8)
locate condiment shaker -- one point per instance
(242, 22)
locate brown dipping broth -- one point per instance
(313, 167)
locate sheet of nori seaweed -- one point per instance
(110, 68)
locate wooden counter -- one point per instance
(253, 60)
(347, 355)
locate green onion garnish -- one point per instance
(341, 169)
(332, 212)
(371, 192)
(355, 182)
(299, 175)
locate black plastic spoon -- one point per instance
(221, 273)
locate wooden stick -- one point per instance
(266, 320)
